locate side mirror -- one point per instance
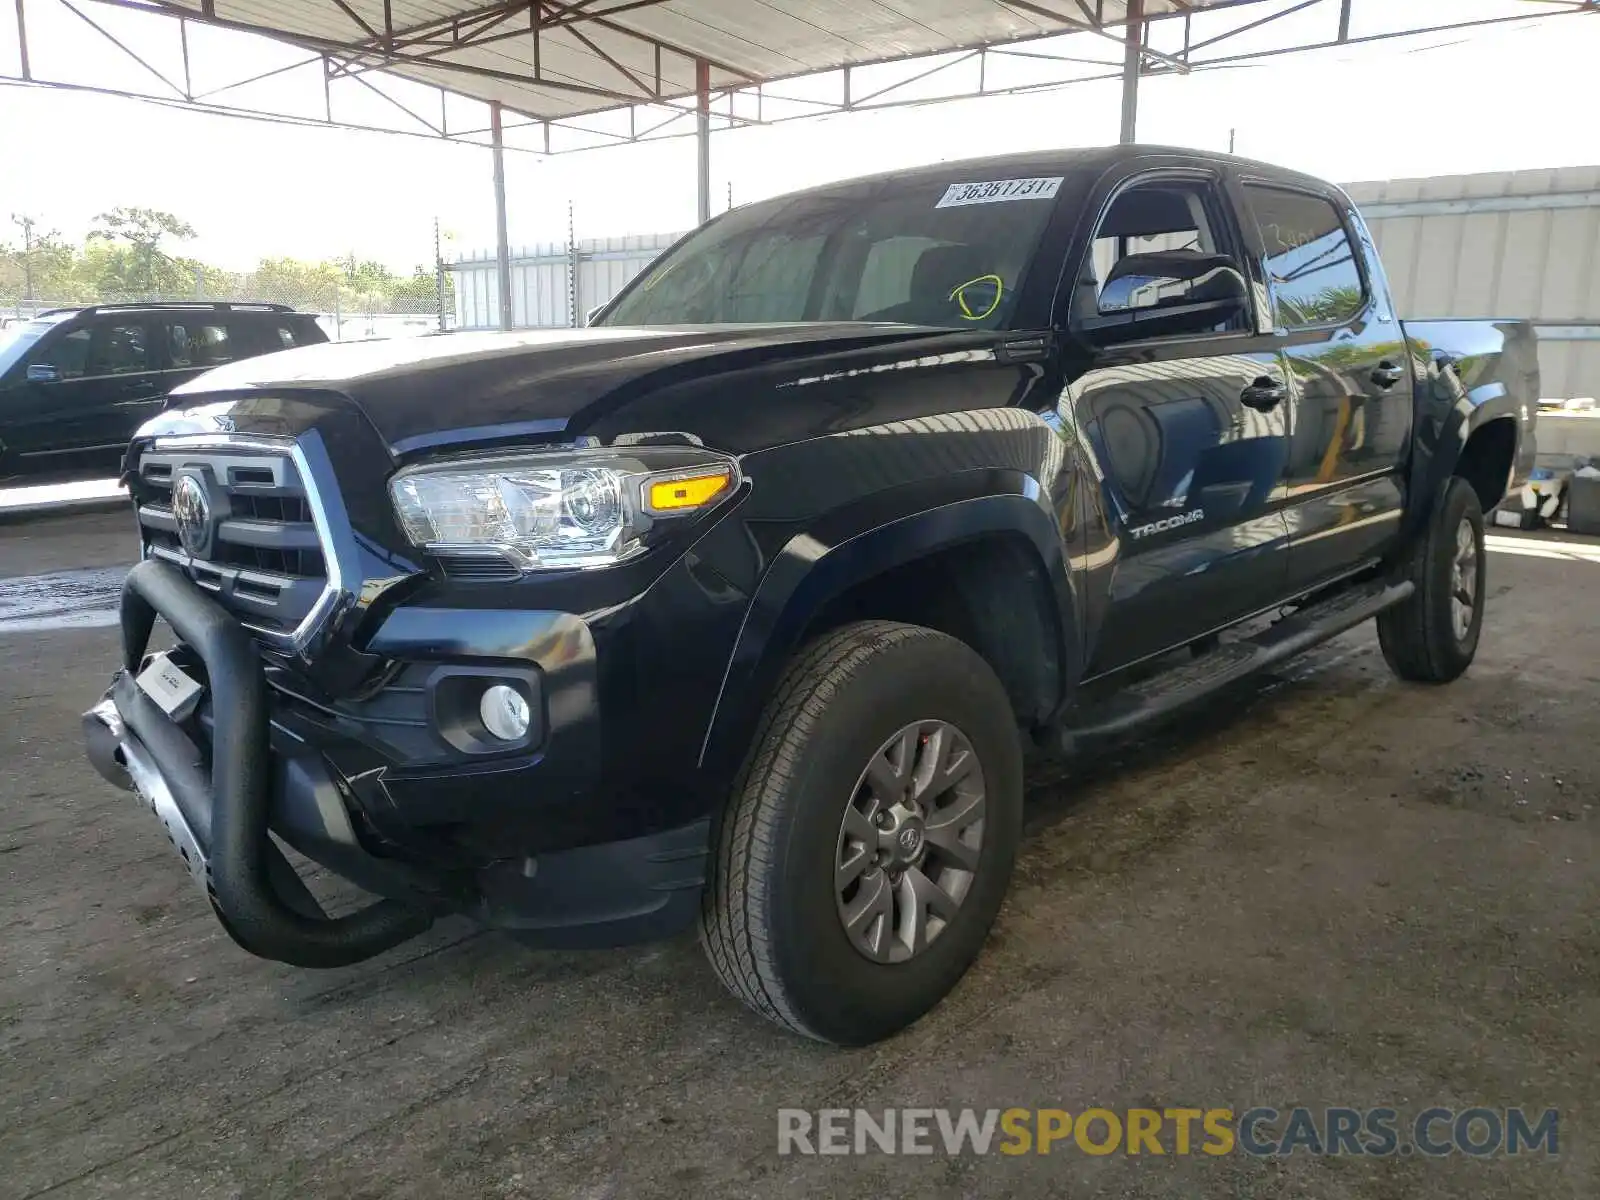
(588, 317)
(44, 373)
(1168, 293)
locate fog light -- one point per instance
(504, 712)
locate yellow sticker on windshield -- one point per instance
(959, 295)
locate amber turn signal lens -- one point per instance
(673, 495)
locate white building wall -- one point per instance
(1510, 244)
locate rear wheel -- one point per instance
(1433, 636)
(869, 841)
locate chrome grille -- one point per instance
(263, 557)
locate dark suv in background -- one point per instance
(76, 382)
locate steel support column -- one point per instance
(1132, 56)
(502, 238)
(22, 43)
(702, 88)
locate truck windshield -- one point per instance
(915, 252)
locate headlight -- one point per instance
(557, 509)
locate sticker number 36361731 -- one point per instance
(996, 191)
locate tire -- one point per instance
(773, 920)
(1424, 639)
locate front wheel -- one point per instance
(869, 841)
(1433, 636)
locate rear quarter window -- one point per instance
(199, 343)
(286, 335)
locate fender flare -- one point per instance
(840, 551)
(1453, 424)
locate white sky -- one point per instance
(1509, 97)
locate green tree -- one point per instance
(44, 262)
(295, 282)
(140, 266)
(131, 254)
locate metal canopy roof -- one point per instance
(605, 72)
(564, 58)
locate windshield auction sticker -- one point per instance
(997, 191)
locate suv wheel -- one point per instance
(1433, 636)
(869, 840)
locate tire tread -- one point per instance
(1414, 642)
(733, 920)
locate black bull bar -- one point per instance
(219, 819)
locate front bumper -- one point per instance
(221, 797)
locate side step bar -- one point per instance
(1180, 686)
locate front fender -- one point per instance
(853, 545)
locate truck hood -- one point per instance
(462, 388)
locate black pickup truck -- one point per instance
(741, 607)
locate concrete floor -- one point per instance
(1327, 889)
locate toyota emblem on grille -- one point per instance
(191, 509)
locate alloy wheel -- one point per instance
(910, 842)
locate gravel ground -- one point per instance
(1327, 889)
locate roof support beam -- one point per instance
(338, 70)
(1051, 14)
(644, 88)
(357, 18)
(894, 87)
(1258, 23)
(120, 45)
(22, 43)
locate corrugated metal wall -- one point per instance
(545, 292)
(1512, 244)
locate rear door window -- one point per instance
(1308, 257)
(286, 335)
(118, 348)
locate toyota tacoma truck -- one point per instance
(740, 607)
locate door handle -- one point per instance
(1386, 374)
(1263, 394)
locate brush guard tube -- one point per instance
(257, 895)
